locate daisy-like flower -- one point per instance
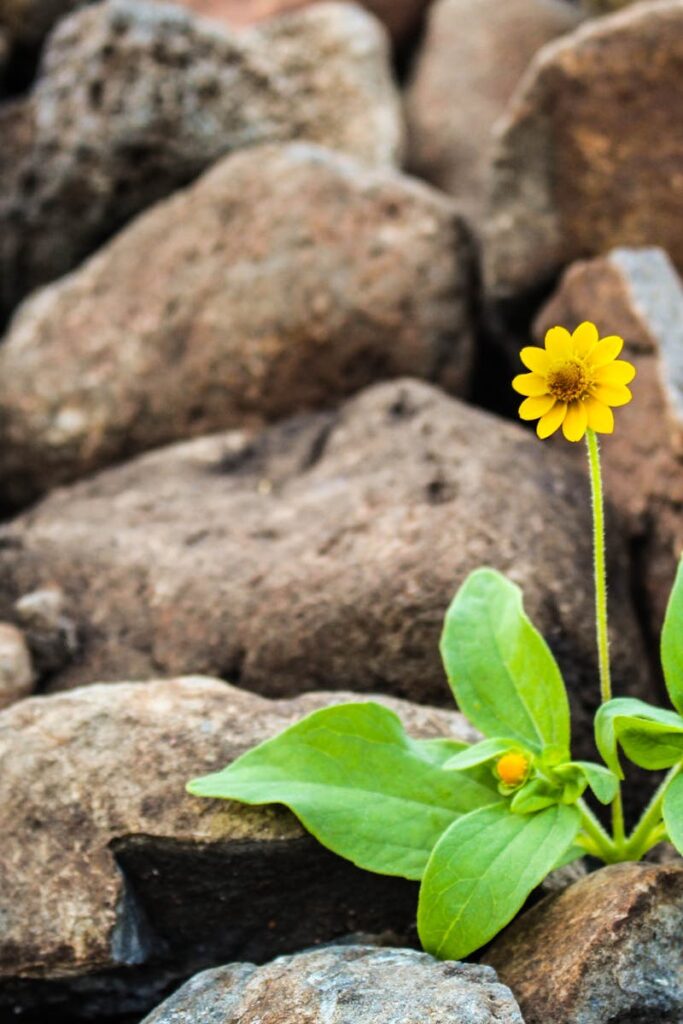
(574, 383)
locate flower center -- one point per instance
(512, 769)
(569, 381)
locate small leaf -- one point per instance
(482, 870)
(535, 796)
(359, 784)
(672, 810)
(482, 753)
(651, 737)
(603, 782)
(672, 642)
(502, 672)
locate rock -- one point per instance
(637, 294)
(286, 278)
(51, 635)
(607, 949)
(473, 56)
(16, 671)
(347, 984)
(324, 549)
(136, 99)
(115, 880)
(588, 151)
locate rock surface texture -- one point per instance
(109, 866)
(604, 950)
(589, 154)
(287, 277)
(637, 294)
(474, 54)
(323, 551)
(135, 99)
(344, 985)
(16, 670)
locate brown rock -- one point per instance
(134, 100)
(51, 635)
(473, 56)
(28, 21)
(590, 154)
(324, 549)
(363, 986)
(108, 865)
(285, 279)
(607, 949)
(16, 672)
(637, 294)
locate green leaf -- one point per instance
(482, 753)
(672, 642)
(603, 782)
(650, 737)
(482, 870)
(502, 672)
(672, 810)
(359, 784)
(535, 796)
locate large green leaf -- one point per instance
(482, 870)
(502, 672)
(482, 753)
(359, 784)
(672, 642)
(672, 810)
(650, 737)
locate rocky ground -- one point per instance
(265, 269)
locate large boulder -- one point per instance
(359, 984)
(473, 57)
(16, 668)
(606, 949)
(637, 294)
(590, 150)
(115, 881)
(135, 99)
(323, 551)
(286, 278)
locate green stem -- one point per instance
(618, 830)
(603, 845)
(646, 834)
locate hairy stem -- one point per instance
(648, 831)
(601, 843)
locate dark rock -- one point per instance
(603, 951)
(286, 278)
(51, 635)
(344, 985)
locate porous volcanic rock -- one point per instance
(16, 671)
(637, 294)
(346, 985)
(286, 278)
(474, 54)
(606, 949)
(323, 551)
(109, 866)
(590, 153)
(135, 99)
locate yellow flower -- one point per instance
(573, 382)
(512, 769)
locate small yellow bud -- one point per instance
(512, 769)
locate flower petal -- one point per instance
(585, 338)
(575, 422)
(605, 351)
(600, 417)
(549, 423)
(558, 343)
(532, 408)
(610, 394)
(619, 372)
(530, 384)
(535, 359)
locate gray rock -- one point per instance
(50, 634)
(135, 99)
(344, 985)
(286, 278)
(16, 671)
(474, 54)
(115, 880)
(606, 949)
(324, 551)
(589, 149)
